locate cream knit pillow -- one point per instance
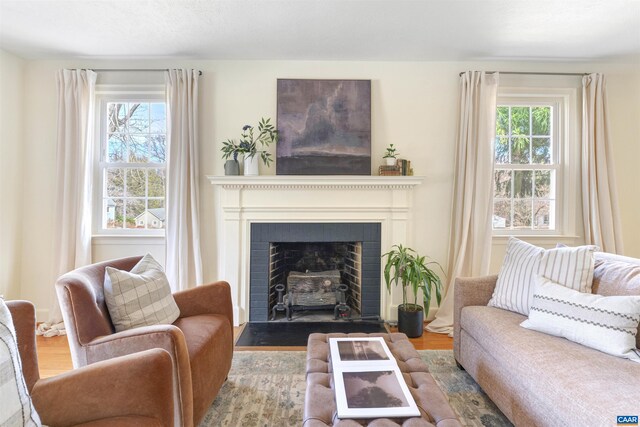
(16, 408)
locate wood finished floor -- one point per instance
(54, 357)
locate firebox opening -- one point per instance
(311, 273)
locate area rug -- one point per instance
(266, 388)
(256, 334)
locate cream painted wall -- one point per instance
(11, 171)
(414, 106)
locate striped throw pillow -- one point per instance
(570, 267)
(140, 297)
(608, 324)
(16, 408)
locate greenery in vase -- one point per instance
(391, 152)
(406, 268)
(249, 140)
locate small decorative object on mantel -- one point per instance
(389, 170)
(391, 155)
(406, 268)
(405, 167)
(248, 146)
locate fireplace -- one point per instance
(309, 258)
(242, 255)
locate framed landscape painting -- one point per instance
(324, 127)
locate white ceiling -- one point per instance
(426, 30)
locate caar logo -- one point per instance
(627, 420)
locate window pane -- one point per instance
(520, 120)
(135, 209)
(158, 118)
(520, 150)
(117, 117)
(136, 183)
(115, 182)
(138, 149)
(113, 213)
(522, 213)
(502, 150)
(541, 120)
(522, 187)
(157, 147)
(543, 184)
(502, 121)
(541, 211)
(156, 182)
(135, 132)
(117, 147)
(156, 203)
(501, 214)
(541, 150)
(139, 118)
(502, 179)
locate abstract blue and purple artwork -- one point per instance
(324, 127)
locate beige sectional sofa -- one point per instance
(543, 380)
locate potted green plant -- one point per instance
(249, 145)
(391, 155)
(406, 268)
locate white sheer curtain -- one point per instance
(74, 169)
(183, 263)
(470, 237)
(599, 197)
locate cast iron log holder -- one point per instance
(342, 310)
(280, 305)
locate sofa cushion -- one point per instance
(140, 297)
(16, 408)
(573, 381)
(608, 324)
(570, 267)
(209, 339)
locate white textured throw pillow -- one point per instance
(570, 267)
(16, 408)
(140, 297)
(608, 324)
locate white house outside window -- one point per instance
(132, 165)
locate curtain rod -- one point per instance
(534, 73)
(135, 69)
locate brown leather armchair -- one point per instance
(133, 390)
(200, 341)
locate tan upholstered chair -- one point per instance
(200, 342)
(141, 384)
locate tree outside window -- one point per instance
(133, 165)
(525, 168)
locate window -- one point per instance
(535, 163)
(132, 165)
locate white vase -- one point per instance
(391, 161)
(251, 165)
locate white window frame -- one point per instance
(104, 95)
(565, 152)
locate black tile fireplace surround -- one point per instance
(262, 234)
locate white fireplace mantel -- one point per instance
(243, 200)
(315, 181)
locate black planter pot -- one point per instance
(410, 322)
